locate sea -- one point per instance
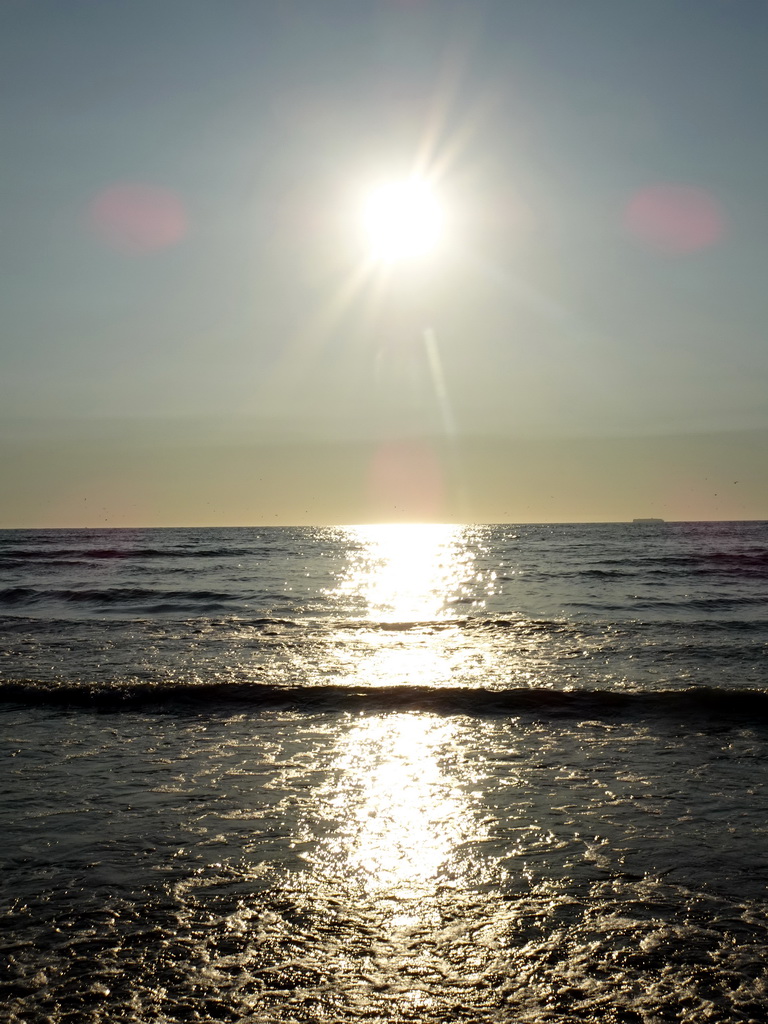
(428, 773)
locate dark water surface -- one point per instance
(385, 774)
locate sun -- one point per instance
(402, 220)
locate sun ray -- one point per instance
(438, 381)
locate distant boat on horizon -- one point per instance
(648, 520)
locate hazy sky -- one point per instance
(190, 332)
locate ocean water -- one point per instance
(429, 773)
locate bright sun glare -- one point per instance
(403, 220)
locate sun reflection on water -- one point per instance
(404, 805)
(399, 805)
(410, 572)
(415, 586)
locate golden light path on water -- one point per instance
(401, 828)
(409, 572)
(400, 790)
(413, 585)
(404, 804)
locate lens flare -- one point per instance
(675, 218)
(138, 218)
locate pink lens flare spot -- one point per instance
(138, 218)
(675, 218)
(406, 480)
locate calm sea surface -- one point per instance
(385, 774)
